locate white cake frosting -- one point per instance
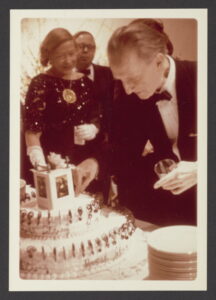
(59, 244)
(74, 237)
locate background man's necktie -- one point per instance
(86, 72)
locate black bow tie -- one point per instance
(86, 72)
(160, 96)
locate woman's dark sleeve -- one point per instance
(35, 105)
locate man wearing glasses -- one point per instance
(86, 49)
(102, 79)
(100, 75)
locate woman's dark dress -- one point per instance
(46, 111)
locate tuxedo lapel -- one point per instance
(95, 73)
(99, 81)
(186, 97)
(98, 76)
(182, 96)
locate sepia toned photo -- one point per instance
(112, 112)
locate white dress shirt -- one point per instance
(169, 108)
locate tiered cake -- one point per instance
(72, 239)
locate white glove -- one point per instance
(87, 132)
(36, 155)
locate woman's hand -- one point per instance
(183, 177)
(86, 132)
(36, 155)
(84, 173)
(34, 150)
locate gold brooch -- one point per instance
(69, 96)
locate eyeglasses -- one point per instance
(86, 46)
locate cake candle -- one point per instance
(70, 216)
(43, 253)
(38, 218)
(82, 249)
(64, 253)
(55, 253)
(73, 250)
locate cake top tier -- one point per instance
(80, 203)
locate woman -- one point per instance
(60, 114)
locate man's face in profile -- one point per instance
(138, 75)
(86, 50)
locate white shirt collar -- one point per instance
(91, 75)
(169, 84)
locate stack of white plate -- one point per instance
(172, 253)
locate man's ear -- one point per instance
(159, 59)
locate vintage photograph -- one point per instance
(115, 101)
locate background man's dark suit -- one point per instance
(103, 90)
(134, 122)
(103, 87)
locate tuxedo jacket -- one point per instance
(136, 121)
(186, 88)
(103, 86)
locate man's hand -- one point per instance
(84, 173)
(183, 177)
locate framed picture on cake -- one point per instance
(79, 243)
(53, 187)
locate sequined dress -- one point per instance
(46, 110)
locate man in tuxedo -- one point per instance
(155, 104)
(138, 123)
(102, 79)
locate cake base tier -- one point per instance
(131, 265)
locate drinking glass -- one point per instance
(164, 166)
(77, 139)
